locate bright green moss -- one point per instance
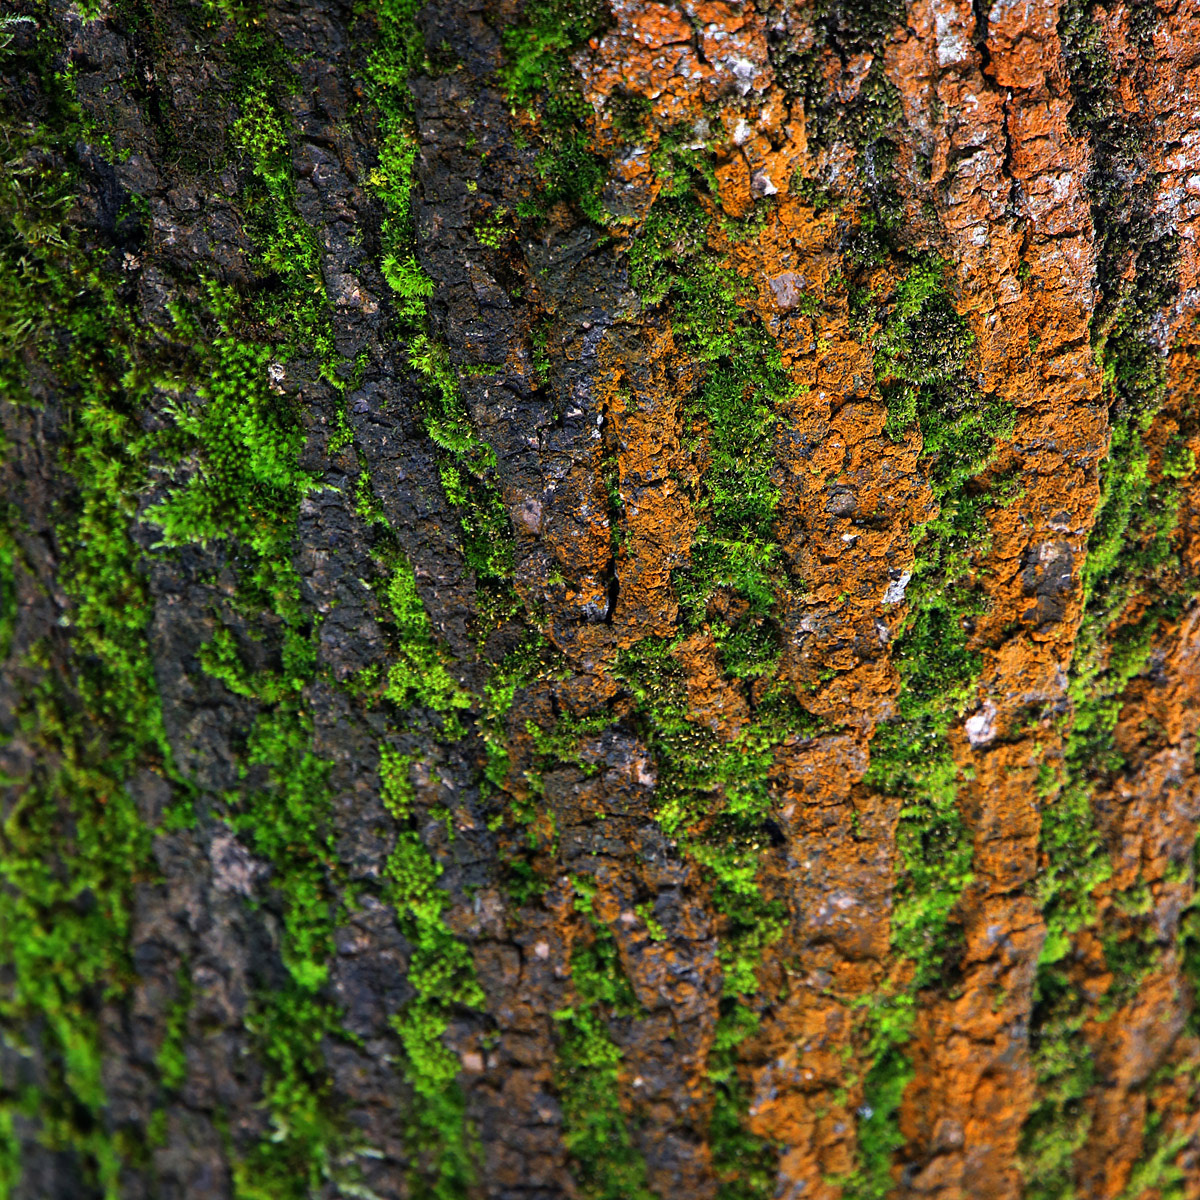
(561, 744)
(442, 976)
(735, 547)
(10, 1153)
(595, 1133)
(922, 354)
(73, 839)
(711, 795)
(542, 88)
(285, 819)
(247, 484)
(418, 675)
(397, 52)
(297, 1158)
(243, 486)
(441, 970)
(1133, 555)
(171, 1058)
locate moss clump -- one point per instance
(543, 90)
(747, 1166)
(607, 1167)
(442, 976)
(397, 52)
(713, 797)
(244, 482)
(672, 264)
(922, 354)
(1058, 1123)
(419, 675)
(293, 305)
(73, 840)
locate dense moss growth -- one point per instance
(442, 976)
(672, 263)
(544, 93)
(596, 1133)
(1132, 567)
(73, 840)
(922, 360)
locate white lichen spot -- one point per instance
(897, 588)
(981, 725)
(761, 185)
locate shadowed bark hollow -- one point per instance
(598, 599)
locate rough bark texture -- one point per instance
(598, 599)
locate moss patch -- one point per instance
(922, 356)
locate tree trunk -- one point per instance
(598, 601)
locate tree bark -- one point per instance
(598, 600)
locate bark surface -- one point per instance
(598, 600)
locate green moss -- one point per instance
(541, 86)
(671, 264)
(282, 812)
(398, 50)
(247, 484)
(418, 675)
(442, 976)
(294, 306)
(1058, 1123)
(10, 1153)
(73, 839)
(746, 1165)
(466, 463)
(240, 482)
(171, 1058)
(595, 1133)
(241, 485)
(1132, 557)
(561, 743)
(441, 970)
(713, 797)
(922, 355)
(1157, 1170)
